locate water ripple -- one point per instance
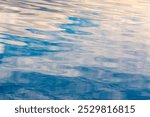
(73, 49)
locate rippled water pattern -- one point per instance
(74, 49)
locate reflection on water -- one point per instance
(74, 49)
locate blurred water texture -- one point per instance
(75, 49)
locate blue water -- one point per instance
(74, 49)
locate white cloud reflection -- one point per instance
(2, 48)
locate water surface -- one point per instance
(74, 49)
